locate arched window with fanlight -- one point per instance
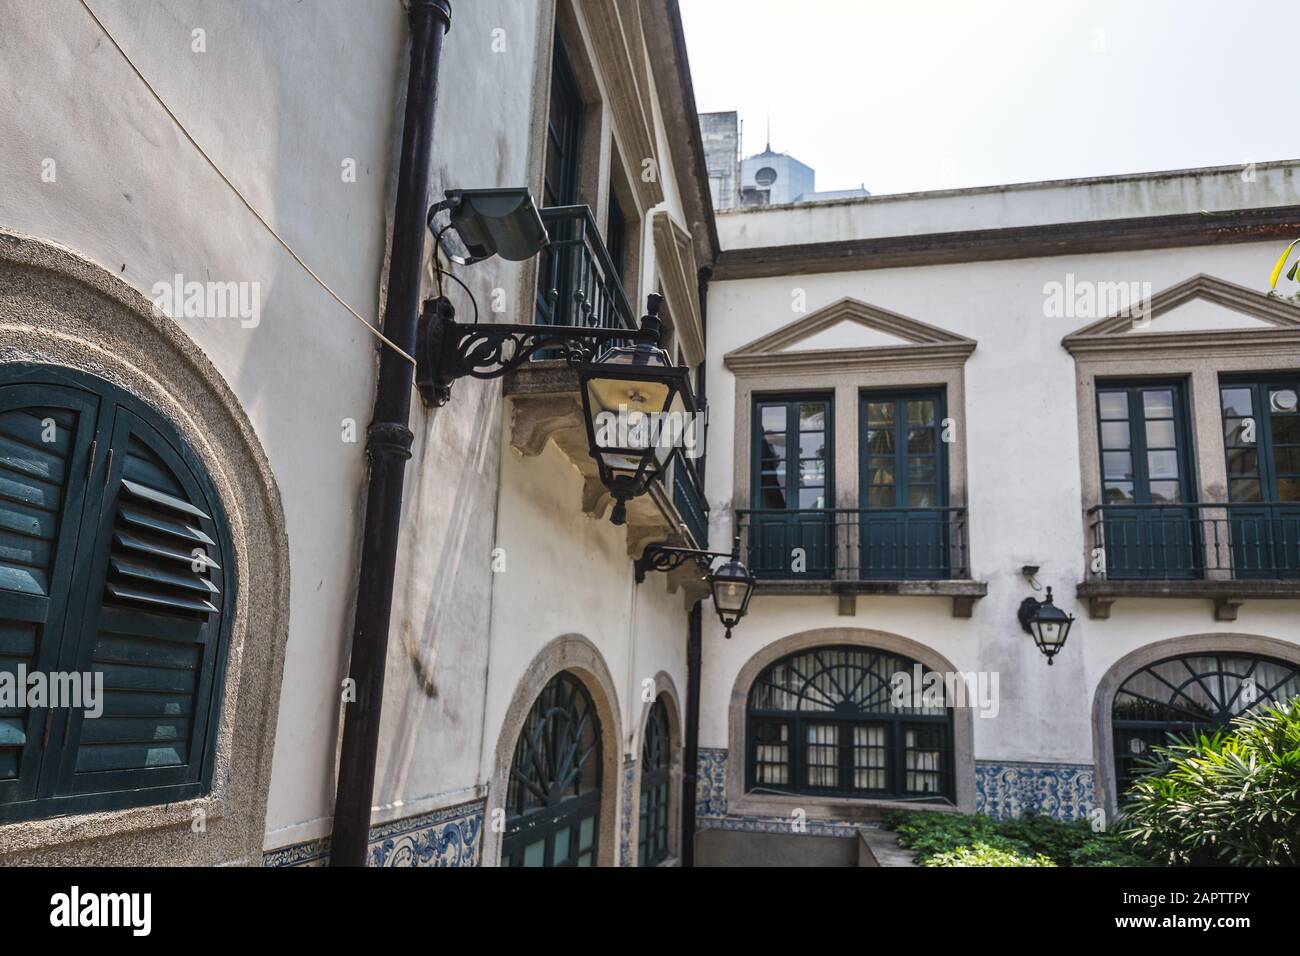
(553, 799)
(827, 721)
(656, 770)
(1177, 698)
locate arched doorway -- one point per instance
(656, 795)
(553, 801)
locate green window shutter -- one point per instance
(152, 628)
(47, 437)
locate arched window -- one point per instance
(1172, 699)
(554, 794)
(114, 575)
(656, 768)
(826, 722)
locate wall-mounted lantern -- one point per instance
(731, 583)
(1047, 624)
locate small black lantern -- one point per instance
(635, 401)
(1047, 624)
(491, 222)
(732, 585)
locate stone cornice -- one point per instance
(675, 259)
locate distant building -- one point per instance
(768, 178)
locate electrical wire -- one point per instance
(235, 189)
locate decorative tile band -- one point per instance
(711, 783)
(625, 825)
(1008, 789)
(447, 837)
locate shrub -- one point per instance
(1225, 798)
(982, 854)
(951, 837)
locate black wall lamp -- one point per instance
(731, 583)
(1047, 624)
(491, 222)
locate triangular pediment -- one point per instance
(855, 332)
(1195, 311)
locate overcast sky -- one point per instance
(934, 94)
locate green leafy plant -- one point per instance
(1224, 798)
(938, 836)
(982, 854)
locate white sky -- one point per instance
(934, 94)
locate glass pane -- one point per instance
(773, 495)
(1118, 493)
(821, 755)
(1236, 431)
(881, 497)
(1117, 465)
(1113, 404)
(1245, 489)
(1288, 489)
(585, 859)
(812, 498)
(1158, 403)
(1287, 460)
(920, 412)
(1237, 403)
(1162, 464)
(921, 496)
(535, 854)
(1281, 400)
(921, 469)
(812, 417)
(1243, 461)
(772, 447)
(880, 413)
(812, 445)
(880, 441)
(1114, 435)
(562, 845)
(586, 831)
(773, 418)
(812, 473)
(920, 439)
(880, 471)
(1166, 492)
(1161, 435)
(1286, 429)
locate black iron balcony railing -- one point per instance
(1185, 542)
(577, 283)
(688, 498)
(855, 544)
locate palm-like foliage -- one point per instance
(1231, 797)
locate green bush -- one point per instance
(952, 837)
(982, 854)
(1226, 798)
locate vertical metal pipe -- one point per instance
(388, 443)
(691, 750)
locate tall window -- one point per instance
(1146, 476)
(1176, 698)
(826, 721)
(553, 802)
(113, 563)
(904, 475)
(557, 263)
(656, 768)
(1261, 429)
(792, 487)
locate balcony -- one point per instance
(578, 286)
(853, 551)
(1224, 552)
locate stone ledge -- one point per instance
(1225, 596)
(964, 593)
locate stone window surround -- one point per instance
(59, 309)
(664, 687)
(579, 656)
(741, 803)
(1103, 735)
(1104, 350)
(762, 368)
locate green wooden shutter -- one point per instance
(47, 437)
(152, 628)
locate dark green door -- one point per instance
(1146, 481)
(792, 531)
(904, 477)
(1261, 428)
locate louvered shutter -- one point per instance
(46, 437)
(153, 627)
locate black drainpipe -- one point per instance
(694, 650)
(388, 443)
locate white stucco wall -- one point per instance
(1023, 487)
